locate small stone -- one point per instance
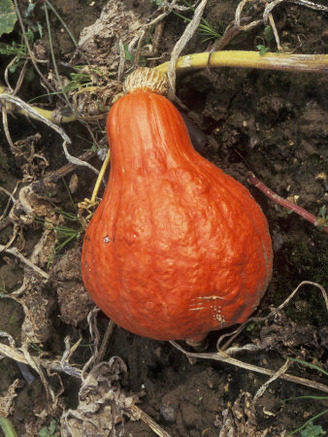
(169, 412)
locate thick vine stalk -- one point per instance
(250, 59)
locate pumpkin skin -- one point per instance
(176, 248)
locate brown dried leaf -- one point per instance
(7, 400)
(240, 420)
(102, 402)
(37, 326)
(99, 41)
(287, 337)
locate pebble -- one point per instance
(169, 412)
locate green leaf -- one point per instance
(305, 363)
(8, 16)
(52, 426)
(313, 431)
(268, 34)
(323, 211)
(44, 432)
(262, 49)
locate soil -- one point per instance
(274, 124)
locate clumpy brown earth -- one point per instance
(274, 124)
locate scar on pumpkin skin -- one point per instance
(216, 309)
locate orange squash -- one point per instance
(177, 248)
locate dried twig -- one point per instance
(248, 21)
(290, 297)
(269, 8)
(252, 179)
(14, 251)
(6, 128)
(275, 32)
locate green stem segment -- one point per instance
(7, 427)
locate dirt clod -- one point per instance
(74, 301)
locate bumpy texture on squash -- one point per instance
(177, 248)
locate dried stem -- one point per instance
(18, 355)
(14, 251)
(310, 5)
(38, 116)
(252, 179)
(180, 45)
(224, 357)
(238, 12)
(277, 375)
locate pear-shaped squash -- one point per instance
(177, 248)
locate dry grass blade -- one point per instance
(23, 356)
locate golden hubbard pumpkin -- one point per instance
(177, 248)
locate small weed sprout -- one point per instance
(267, 38)
(322, 219)
(52, 430)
